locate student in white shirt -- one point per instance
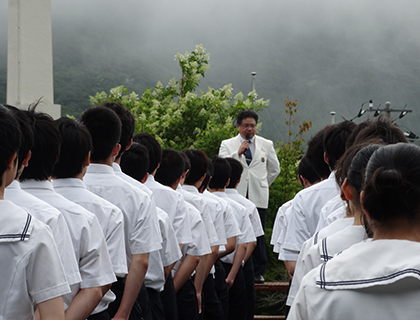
(141, 236)
(375, 279)
(88, 241)
(27, 247)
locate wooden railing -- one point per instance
(271, 286)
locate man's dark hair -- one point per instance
(335, 141)
(221, 173)
(135, 161)
(236, 172)
(27, 136)
(75, 147)
(307, 171)
(105, 129)
(359, 127)
(315, 153)
(127, 121)
(187, 165)
(171, 167)
(206, 180)
(153, 147)
(199, 165)
(10, 137)
(383, 129)
(46, 148)
(244, 114)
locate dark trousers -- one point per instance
(248, 270)
(212, 306)
(237, 295)
(221, 288)
(186, 298)
(118, 289)
(259, 256)
(168, 297)
(156, 305)
(104, 315)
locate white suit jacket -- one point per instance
(261, 172)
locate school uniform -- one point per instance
(370, 280)
(89, 245)
(111, 221)
(331, 205)
(30, 263)
(55, 220)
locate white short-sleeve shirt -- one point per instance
(280, 226)
(30, 263)
(331, 206)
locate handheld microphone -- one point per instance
(247, 137)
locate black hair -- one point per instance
(359, 127)
(335, 141)
(236, 172)
(244, 114)
(27, 136)
(392, 184)
(221, 173)
(46, 148)
(128, 123)
(187, 162)
(75, 147)
(315, 153)
(383, 129)
(153, 147)
(10, 138)
(105, 129)
(307, 171)
(135, 161)
(199, 164)
(171, 167)
(206, 180)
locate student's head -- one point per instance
(392, 186)
(206, 180)
(46, 148)
(221, 173)
(127, 121)
(236, 172)
(135, 161)
(335, 141)
(315, 153)
(153, 148)
(382, 129)
(306, 173)
(359, 127)
(246, 122)
(75, 147)
(105, 129)
(187, 167)
(10, 138)
(27, 136)
(171, 168)
(199, 165)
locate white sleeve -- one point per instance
(273, 165)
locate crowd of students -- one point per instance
(100, 224)
(349, 238)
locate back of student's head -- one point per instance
(46, 148)
(10, 138)
(221, 173)
(75, 147)
(335, 141)
(392, 184)
(105, 129)
(306, 170)
(127, 121)
(382, 129)
(171, 167)
(27, 137)
(153, 148)
(199, 164)
(206, 180)
(359, 127)
(135, 161)
(236, 172)
(315, 153)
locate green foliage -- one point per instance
(179, 117)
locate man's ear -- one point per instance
(129, 145)
(227, 183)
(87, 160)
(116, 150)
(12, 161)
(326, 158)
(145, 177)
(25, 161)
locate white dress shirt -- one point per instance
(280, 226)
(328, 208)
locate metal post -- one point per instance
(332, 113)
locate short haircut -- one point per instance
(10, 137)
(315, 153)
(187, 162)
(382, 129)
(335, 141)
(46, 149)
(244, 114)
(153, 147)
(359, 127)
(127, 121)
(105, 129)
(75, 147)
(135, 161)
(206, 180)
(171, 167)
(27, 136)
(307, 171)
(221, 173)
(236, 172)
(199, 165)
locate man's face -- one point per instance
(248, 126)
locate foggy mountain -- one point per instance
(331, 55)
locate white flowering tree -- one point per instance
(177, 115)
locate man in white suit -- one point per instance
(261, 167)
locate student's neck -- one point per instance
(118, 160)
(196, 185)
(400, 230)
(107, 162)
(217, 189)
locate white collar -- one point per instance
(15, 223)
